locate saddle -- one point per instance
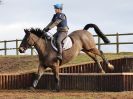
(66, 43)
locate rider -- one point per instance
(59, 19)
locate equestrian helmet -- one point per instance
(58, 6)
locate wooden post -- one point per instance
(99, 45)
(117, 43)
(5, 47)
(17, 47)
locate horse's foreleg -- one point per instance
(93, 56)
(110, 66)
(55, 70)
(39, 75)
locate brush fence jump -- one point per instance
(79, 77)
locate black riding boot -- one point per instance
(59, 54)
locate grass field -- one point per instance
(84, 58)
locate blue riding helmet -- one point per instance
(58, 6)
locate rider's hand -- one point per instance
(46, 29)
(45, 34)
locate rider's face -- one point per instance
(57, 10)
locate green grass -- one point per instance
(84, 58)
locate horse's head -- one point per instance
(27, 41)
(31, 38)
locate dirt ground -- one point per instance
(43, 94)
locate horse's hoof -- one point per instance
(103, 72)
(110, 66)
(35, 83)
(32, 88)
(56, 90)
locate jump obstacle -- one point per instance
(78, 77)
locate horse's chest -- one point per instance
(48, 59)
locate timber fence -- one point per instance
(117, 43)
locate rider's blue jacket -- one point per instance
(59, 20)
(62, 17)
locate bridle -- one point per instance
(35, 42)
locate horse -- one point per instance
(82, 40)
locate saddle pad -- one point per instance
(67, 43)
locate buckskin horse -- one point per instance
(82, 41)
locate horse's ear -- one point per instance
(26, 31)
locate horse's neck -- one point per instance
(40, 45)
(43, 47)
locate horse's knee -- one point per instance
(41, 70)
(110, 66)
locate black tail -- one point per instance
(98, 31)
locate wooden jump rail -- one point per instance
(120, 65)
(15, 81)
(79, 77)
(90, 81)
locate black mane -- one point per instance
(37, 31)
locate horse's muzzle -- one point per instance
(21, 50)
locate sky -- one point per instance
(111, 16)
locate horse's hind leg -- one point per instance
(110, 66)
(100, 53)
(94, 57)
(39, 75)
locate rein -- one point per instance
(35, 42)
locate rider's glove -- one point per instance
(45, 34)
